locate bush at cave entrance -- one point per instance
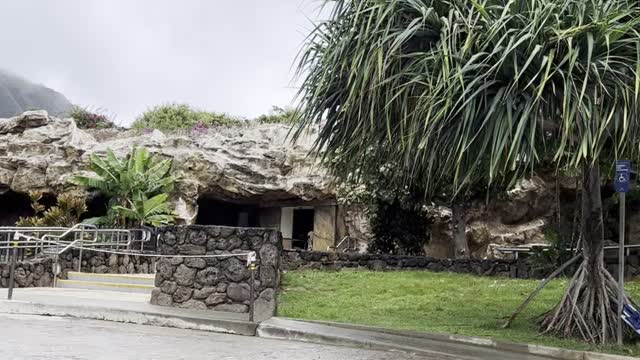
(398, 230)
(66, 213)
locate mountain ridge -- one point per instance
(18, 94)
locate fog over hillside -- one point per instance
(18, 95)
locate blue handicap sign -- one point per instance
(623, 176)
(631, 317)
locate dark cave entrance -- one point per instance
(14, 205)
(97, 205)
(302, 226)
(223, 213)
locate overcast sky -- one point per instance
(233, 56)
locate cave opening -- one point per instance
(97, 205)
(14, 206)
(302, 228)
(223, 213)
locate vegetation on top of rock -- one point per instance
(86, 119)
(137, 188)
(65, 213)
(279, 115)
(170, 117)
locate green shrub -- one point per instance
(545, 260)
(86, 119)
(278, 115)
(398, 229)
(171, 117)
(66, 213)
(137, 186)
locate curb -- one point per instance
(133, 317)
(414, 342)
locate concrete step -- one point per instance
(138, 279)
(97, 285)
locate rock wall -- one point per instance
(32, 273)
(221, 283)
(103, 263)
(250, 163)
(517, 217)
(39, 272)
(316, 260)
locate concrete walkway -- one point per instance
(29, 337)
(135, 308)
(121, 307)
(441, 346)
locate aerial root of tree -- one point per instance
(588, 309)
(540, 286)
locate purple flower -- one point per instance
(200, 128)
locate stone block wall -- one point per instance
(104, 263)
(32, 273)
(39, 272)
(220, 283)
(316, 260)
(302, 260)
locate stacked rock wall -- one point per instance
(217, 283)
(105, 263)
(32, 273)
(521, 268)
(316, 260)
(39, 272)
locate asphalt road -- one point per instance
(49, 338)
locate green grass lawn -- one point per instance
(430, 302)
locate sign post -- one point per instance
(621, 185)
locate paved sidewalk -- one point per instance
(432, 345)
(121, 307)
(135, 308)
(29, 337)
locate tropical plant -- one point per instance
(86, 119)
(137, 187)
(144, 211)
(398, 223)
(171, 117)
(455, 92)
(66, 213)
(542, 261)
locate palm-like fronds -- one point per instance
(455, 91)
(130, 183)
(154, 211)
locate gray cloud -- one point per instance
(124, 56)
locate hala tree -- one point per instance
(455, 92)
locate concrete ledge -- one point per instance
(439, 345)
(134, 317)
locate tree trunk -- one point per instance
(588, 309)
(460, 244)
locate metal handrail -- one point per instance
(53, 242)
(515, 250)
(340, 243)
